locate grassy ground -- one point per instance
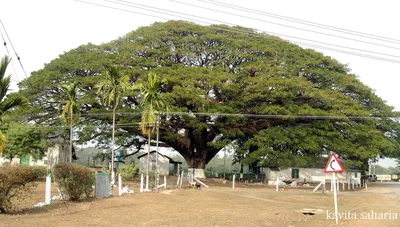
(218, 205)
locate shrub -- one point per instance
(129, 172)
(74, 180)
(15, 180)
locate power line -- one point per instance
(12, 46)
(284, 25)
(340, 46)
(304, 22)
(241, 31)
(8, 53)
(216, 114)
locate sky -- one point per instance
(41, 30)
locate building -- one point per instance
(166, 165)
(58, 153)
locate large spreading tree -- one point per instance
(281, 104)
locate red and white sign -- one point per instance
(333, 165)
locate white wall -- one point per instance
(310, 174)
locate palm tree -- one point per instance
(71, 107)
(7, 102)
(152, 101)
(111, 91)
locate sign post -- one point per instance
(333, 166)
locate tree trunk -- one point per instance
(70, 142)
(148, 152)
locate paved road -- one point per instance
(395, 186)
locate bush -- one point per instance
(15, 180)
(74, 180)
(129, 172)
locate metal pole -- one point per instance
(224, 162)
(158, 133)
(335, 197)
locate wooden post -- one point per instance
(181, 179)
(348, 183)
(147, 183)
(119, 185)
(323, 186)
(338, 184)
(344, 188)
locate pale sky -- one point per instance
(41, 30)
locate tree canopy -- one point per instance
(280, 103)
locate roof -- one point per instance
(169, 158)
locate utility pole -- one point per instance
(224, 162)
(158, 134)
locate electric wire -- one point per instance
(272, 33)
(12, 46)
(304, 22)
(241, 31)
(8, 53)
(283, 25)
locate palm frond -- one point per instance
(3, 142)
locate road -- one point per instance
(395, 186)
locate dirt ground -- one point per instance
(219, 205)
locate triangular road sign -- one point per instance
(333, 165)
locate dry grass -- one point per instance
(218, 205)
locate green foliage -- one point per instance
(70, 103)
(129, 172)
(16, 181)
(25, 140)
(7, 102)
(74, 180)
(212, 70)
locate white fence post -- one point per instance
(277, 184)
(181, 179)
(165, 182)
(233, 181)
(47, 198)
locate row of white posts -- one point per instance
(352, 183)
(147, 183)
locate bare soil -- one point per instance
(219, 205)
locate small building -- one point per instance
(313, 174)
(59, 153)
(166, 165)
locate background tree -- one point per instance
(152, 101)
(7, 102)
(25, 140)
(112, 90)
(70, 111)
(282, 102)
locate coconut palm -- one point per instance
(70, 111)
(7, 102)
(111, 90)
(151, 102)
